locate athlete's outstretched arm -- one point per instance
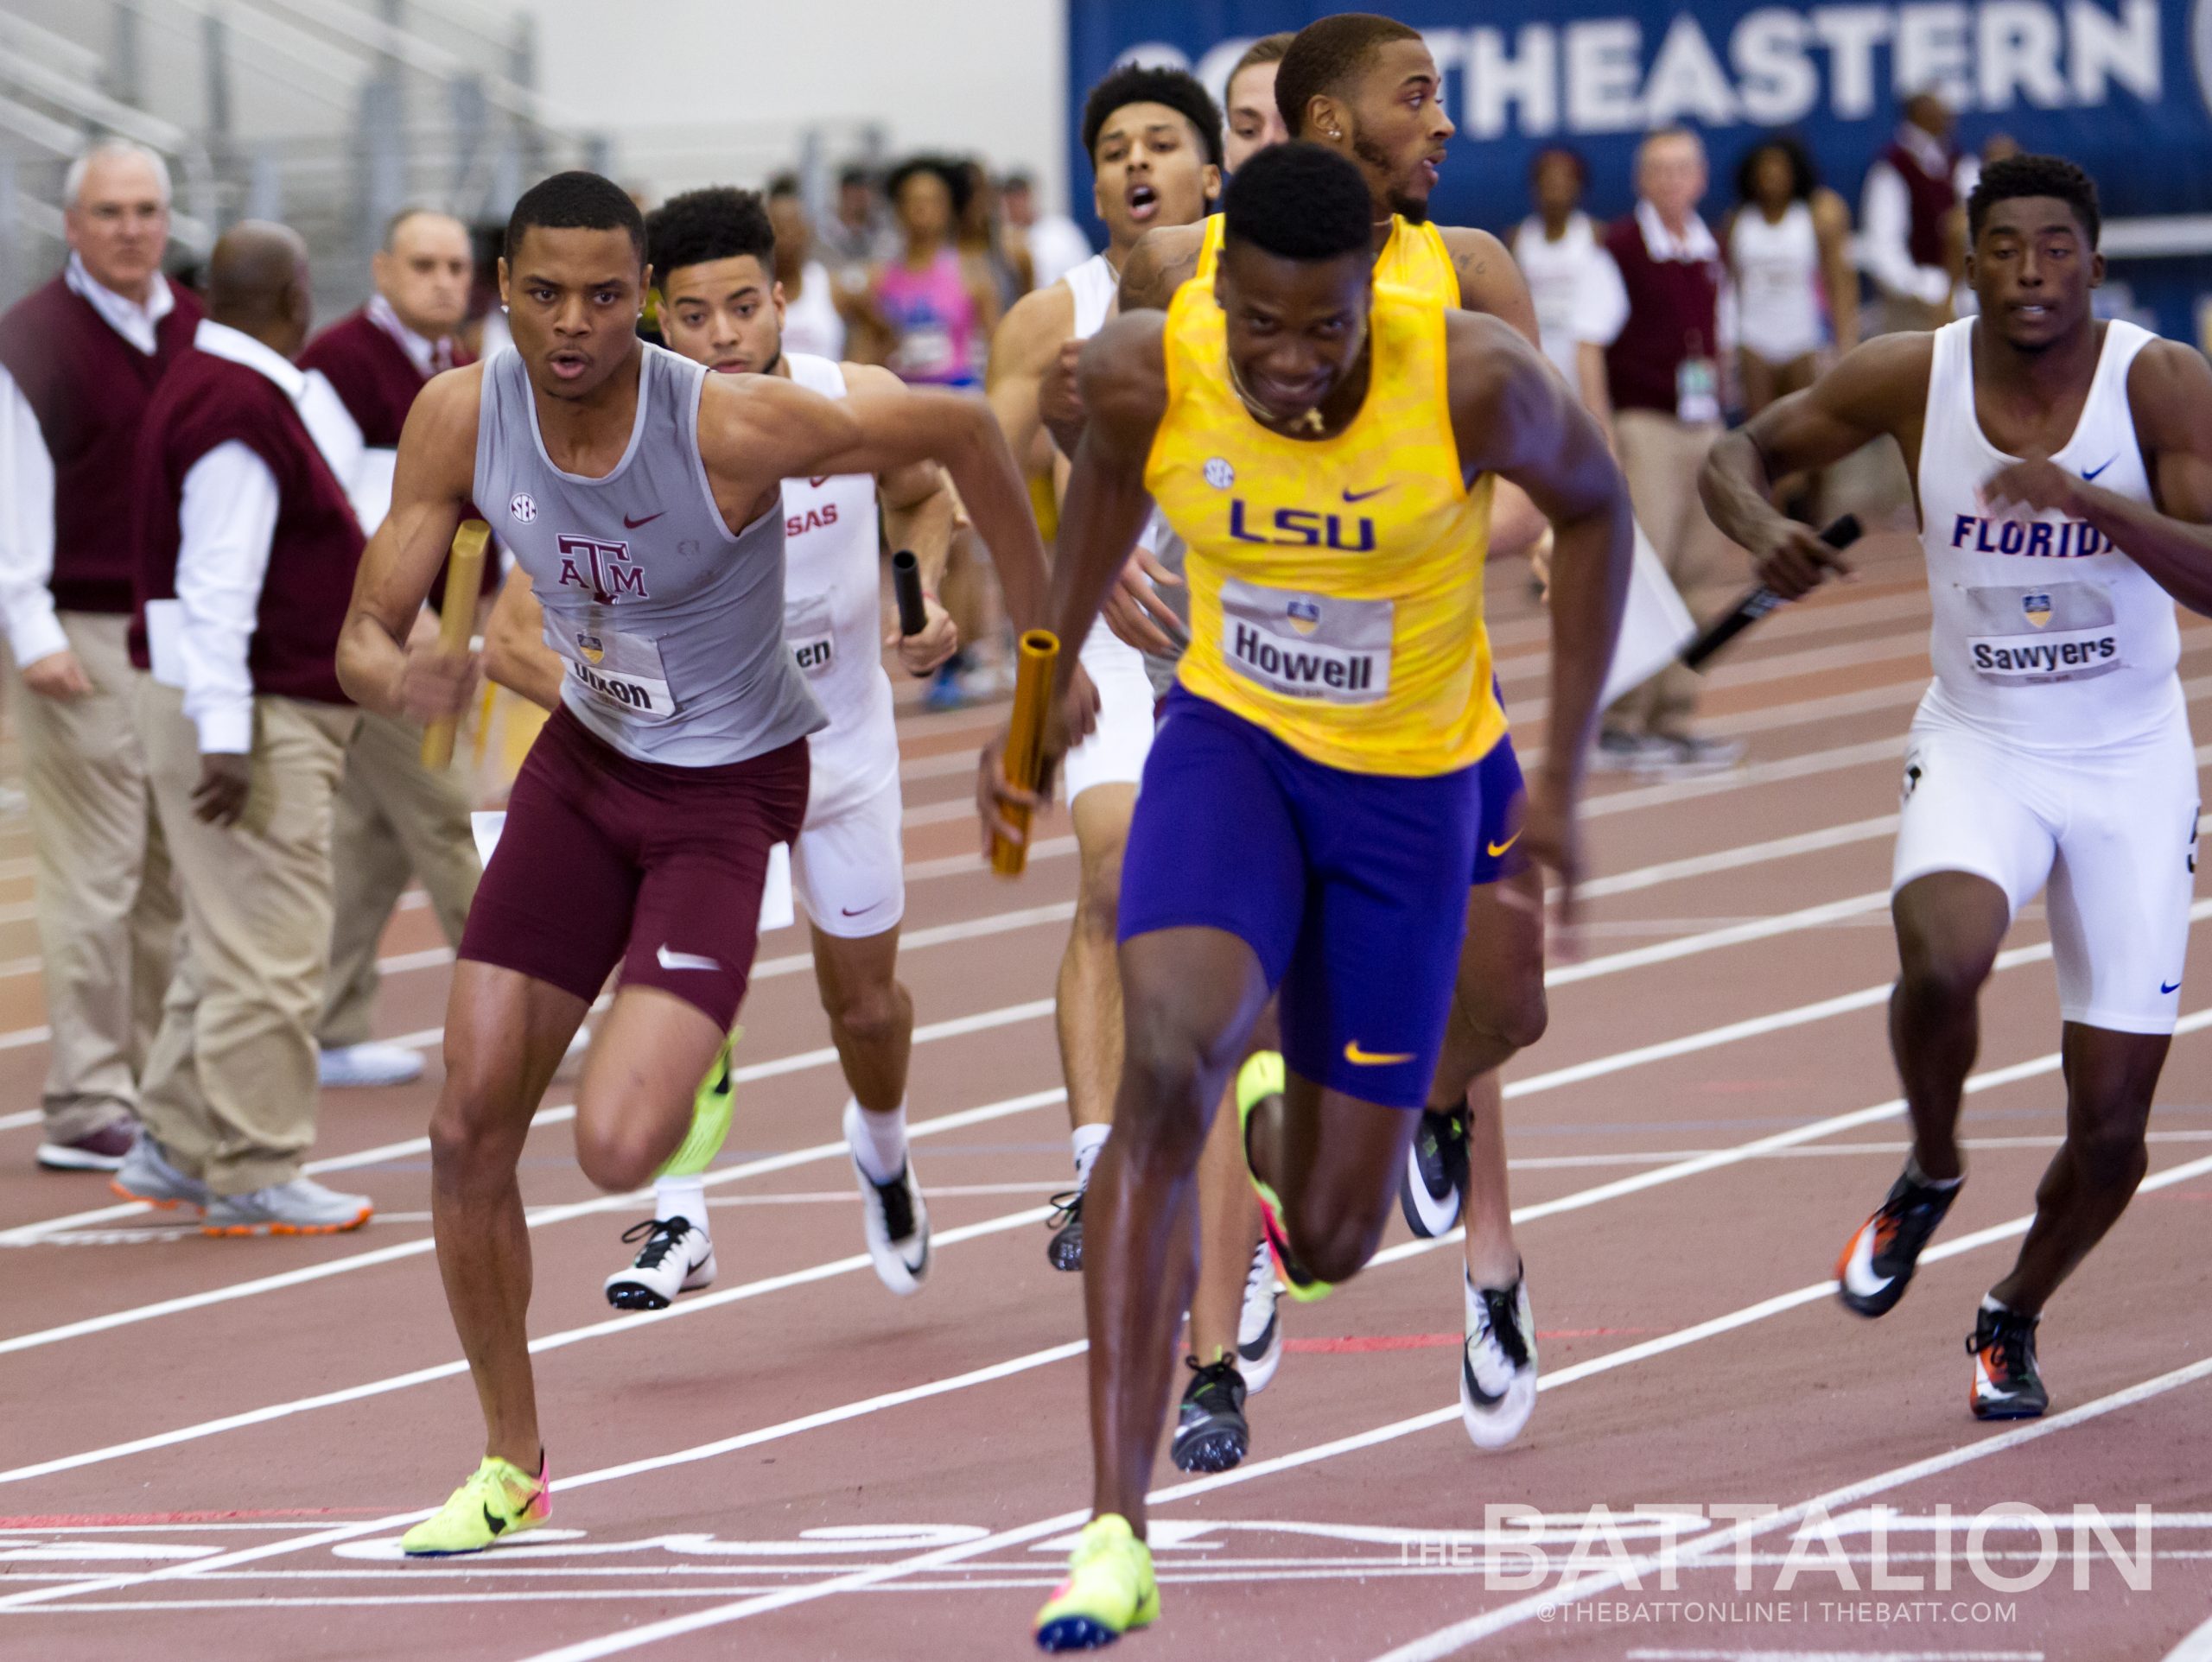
(2169, 387)
(1023, 352)
(1515, 416)
(921, 512)
(1875, 389)
(436, 469)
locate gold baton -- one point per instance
(1038, 653)
(456, 622)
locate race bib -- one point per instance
(806, 630)
(1697, 389)
(923, 351)
(1307, 645)
(622, 672)
(2026, 637)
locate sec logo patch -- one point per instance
(1219, 474)
(522, 506)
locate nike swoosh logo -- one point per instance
(630, 525)
(2169, 986)
(496, 1525)
(854, 911)
(2091, 472)
(1859, 1269)
(1362, 496)
(1360, 1058)
(683, 960)
(1498, 848)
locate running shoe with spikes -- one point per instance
(1497, 1365)
(1260, 1077)
(498, 1500)
(1065, 1250)
(1259, 1324)
(1211, 1431)
(894, 1218)
(676, 1256)
(1436, 1172)
(1878, 1261)
(1109, 1589)
(2006, 1383)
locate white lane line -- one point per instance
(1448, 1640)
(2196, 1646)
(694, 1621)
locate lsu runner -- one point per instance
(1324, 446)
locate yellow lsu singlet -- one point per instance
(1414, 258)
(1335, 584)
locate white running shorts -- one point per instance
(2108, 835)
(1115, 752)
(849, 867)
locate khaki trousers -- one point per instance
(230, 1089)
(1660, 456)
(107, 912)
(394, 816)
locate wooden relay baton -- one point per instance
(456, 623)
(1037, 656)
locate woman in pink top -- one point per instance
(937, 305)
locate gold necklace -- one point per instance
(1310, 420)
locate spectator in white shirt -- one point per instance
(1908, 240)
(1580, 304)
(80, 358)
(1054, 243)
(247, 547)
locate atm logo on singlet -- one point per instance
(1299, 528)
(2070, 539)
(606, 571)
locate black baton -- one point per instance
(1754, 605)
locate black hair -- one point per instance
(784, 184)
(854, 173)
(1018, 179)
(717, 223)
(1326, 55)
(1804, 177)
(1137, 84)
(1299, 202)
(576, 201)
(2035, 175)
(1572, 156)
(958, 182)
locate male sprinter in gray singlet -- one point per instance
(642, 495)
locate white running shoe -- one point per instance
(146, 1174)
(301, 1206)
(1259, 1325)
(1497, 1369)
(678, 1256)
(893, 1217)
(368, 1064)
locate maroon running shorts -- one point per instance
(607, 859)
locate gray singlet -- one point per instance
(671, 629)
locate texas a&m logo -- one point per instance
(605, 570)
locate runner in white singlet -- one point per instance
(2064, 471)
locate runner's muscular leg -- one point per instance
(1191, 996)
(2110, 1079)
(506, 1033)
(634, 1102)
(871, 1014)
(1333, 1160)
(1949, 926)
(1089, 1016)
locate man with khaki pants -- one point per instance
(247, 551)
(80, 358)
(395, 817)
(1662, 373)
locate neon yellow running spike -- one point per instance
(1109, 1589)
(498, 1500)
(1260, 1077)
(710, 1117)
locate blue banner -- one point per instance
(2122, 86)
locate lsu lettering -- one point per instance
(614, 572)
(1297, 528)
(2070, 539)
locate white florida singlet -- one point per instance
(2045, 636)
(1777, 269)
(833, 618)
(1115, 750)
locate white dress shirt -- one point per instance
(226, 524)
(1885, 221)
(1577, 289)
(27, 476)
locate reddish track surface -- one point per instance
(213, 1445)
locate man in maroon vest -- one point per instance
(247, 548)
(1662, 371)
(395, 816)
(79, 358)
(1907, 219)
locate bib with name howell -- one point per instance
(1335, 585)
